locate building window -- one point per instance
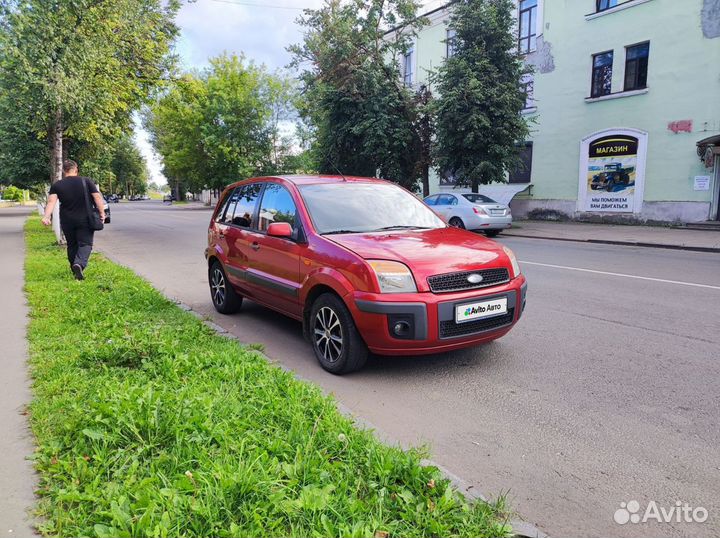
(450, 36)
(602, 74)
(523, 171)
(527, 86)
(408, 66)
(636, 66)
(604, 5)
(526, 26)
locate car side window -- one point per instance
(246, 198)
(443, 199)
(453, 200)
(431, 200)
(277, 206)
(224, 214)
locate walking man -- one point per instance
(74, 218)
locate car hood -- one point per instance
(427, 252)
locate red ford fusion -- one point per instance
(363, 264)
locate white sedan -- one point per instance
(471, 211)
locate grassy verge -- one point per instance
(149, 424)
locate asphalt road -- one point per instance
(607, 391)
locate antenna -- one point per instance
(334, 165)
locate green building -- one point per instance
(626, 101)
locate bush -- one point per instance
(13, 194)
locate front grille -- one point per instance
(450, 329)
(459, 281)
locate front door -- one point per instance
(274, 269)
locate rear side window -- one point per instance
(277, 206)
(242, 205)
(222, 215)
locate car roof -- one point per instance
(314, 179)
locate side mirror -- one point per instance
(280, 229)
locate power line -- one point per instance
(252, 4)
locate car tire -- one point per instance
(457, 223)
(492, 233)
(224, 297)
(337, 344)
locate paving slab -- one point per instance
(16, 442)
(619, 234)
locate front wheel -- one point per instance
(224, 297)
(457, 223)
(337, 344)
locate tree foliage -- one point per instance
(223, 124)
(479, 124)
(363, 117)
(76, 70)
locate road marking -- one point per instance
(623, 275)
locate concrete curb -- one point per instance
(521, 529)
(619, 243)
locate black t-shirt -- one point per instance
(71, 194)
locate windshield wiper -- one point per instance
(386, 228)
(331, 232)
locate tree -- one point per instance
(362, 115)
(129, 168)
(78, 69)
(221, 125)
(479, 125)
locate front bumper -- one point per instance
(428, 319)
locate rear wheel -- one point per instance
(336, 341)
(457, 223)
(492, 233)
(224, 297)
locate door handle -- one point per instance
(255, 246)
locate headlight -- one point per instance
(513, 261)
(393, 277)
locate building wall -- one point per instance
(683, 84)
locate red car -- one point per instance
(363, 264)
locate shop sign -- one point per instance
(612, 171)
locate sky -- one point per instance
(261, 29)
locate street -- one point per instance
(607, 390)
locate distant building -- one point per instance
(626, 98)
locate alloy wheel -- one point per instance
(328, 334)
(217, 286)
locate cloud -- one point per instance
(262, 33)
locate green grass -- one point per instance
(150, 424)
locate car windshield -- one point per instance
(350, 207)
(479, 199)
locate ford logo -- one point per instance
(475, 278)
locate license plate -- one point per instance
(483, 309)
(498, 212)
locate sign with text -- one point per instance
(611, 174)
(702, 183)
(612, 171)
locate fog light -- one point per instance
(402, 329)
(401, 326)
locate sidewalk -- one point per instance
(616, 234)
(16, 441)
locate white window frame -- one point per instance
(409, 59)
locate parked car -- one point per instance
(114, 198)
(363, 264)
(106, 206)
(472, 211)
